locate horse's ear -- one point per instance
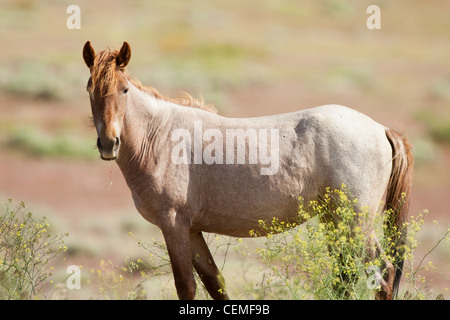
(124, 56)
(88, 54)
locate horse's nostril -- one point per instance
(107, 146)
(99, 144)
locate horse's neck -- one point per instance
(144, 115)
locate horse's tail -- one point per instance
(398, 197)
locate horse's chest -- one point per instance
(142, 209)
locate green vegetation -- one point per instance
(316, 260)
(326, 259)
(31, 79)
(27, 248)
(36, 142)
(438, 126)
(323, 260)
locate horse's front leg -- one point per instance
(176, 236)
(206, 268)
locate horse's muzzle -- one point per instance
(108, 148)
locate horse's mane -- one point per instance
(104, 75)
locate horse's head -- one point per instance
(108, 88)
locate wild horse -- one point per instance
(192, 171)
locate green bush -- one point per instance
(27, 246)
(324, 259)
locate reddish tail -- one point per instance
(398, 197)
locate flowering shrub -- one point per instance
(116, 282)
(327, 259)
(26, 248)
(324, 259)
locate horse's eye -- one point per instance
(125, 91)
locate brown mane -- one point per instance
(104, 75)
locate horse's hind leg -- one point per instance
(386, 281)
(206, 268)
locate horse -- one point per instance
(191, 170)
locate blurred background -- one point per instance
(249, 58)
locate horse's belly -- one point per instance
(239, 222)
